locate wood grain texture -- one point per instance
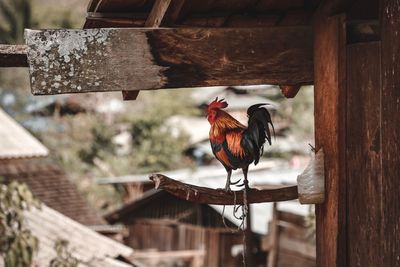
(329, 92)
(157, 13)
(13, 56)
(204, 195)
(153, 21)
(363, 153)
(93, 60)
(173, 12)
(390, 104)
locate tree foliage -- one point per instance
(154, 147)
(17, 244)
(64, 257)
(16, 16)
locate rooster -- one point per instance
(235, 145)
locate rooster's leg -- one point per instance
(228, 181)
(245, 182)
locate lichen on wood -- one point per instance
(54, 50)
(91, 60)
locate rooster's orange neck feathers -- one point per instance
(221, 123)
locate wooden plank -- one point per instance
(180, 254)
(363, 155)
(13, 55)
(299, 247)
(93, 60)
(272, 259)
(329, 82)
(390, 125)
(153, 21)
(157, 13)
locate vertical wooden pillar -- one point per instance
(390, 130)
(363, 153)
(330, 115)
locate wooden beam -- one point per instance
(330, 122)
(153, 21)
(157, 13)
(204, 195)
(93, 60)
(172, 15)
(13, 55)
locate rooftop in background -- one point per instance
(17, 142)
(90, 248)
(51, 186)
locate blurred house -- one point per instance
(22, 159)
(60, 105)
(88, 247)
(290, 241)
(160, 221)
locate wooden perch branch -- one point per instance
(206, 195)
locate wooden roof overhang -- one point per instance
(176, 44)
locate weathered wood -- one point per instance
(290, 91)
(206, 195)
(157, 13)
(173, 12)
(72, 61)
(179, 254)
(13, 55)
(390, 125)
(329, 92)
(272, 259)
(153, 21)
(363, 153)
(301, 248)
(363, 31)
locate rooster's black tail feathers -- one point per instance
(257, 131)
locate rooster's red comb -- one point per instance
(217, 104)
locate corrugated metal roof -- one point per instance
(91, 248)
(16, 142)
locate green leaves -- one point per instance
(17, 244)
(64, 256)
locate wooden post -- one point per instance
(274, 240)
(329, 81)
(248, 253)
(390, 126)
